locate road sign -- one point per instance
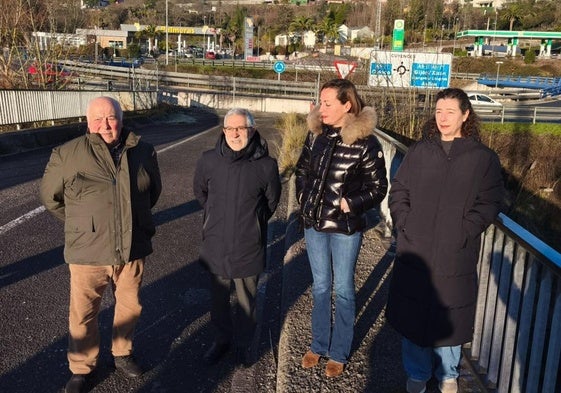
(279, 67)
(344, 68)
(410, 69)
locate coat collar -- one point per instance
(354, 127)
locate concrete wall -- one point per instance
(255, 104)
(21, 141)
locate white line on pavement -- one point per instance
(29, 215)
(20, 220)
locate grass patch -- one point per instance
(513, 128)
(293, 129)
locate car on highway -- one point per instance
(484, 103)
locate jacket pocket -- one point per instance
(79, 232)
(86, 186)
(79, 224)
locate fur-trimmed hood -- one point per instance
(354, 127)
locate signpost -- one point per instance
(410, 69)
(279, 68)
(248, 38)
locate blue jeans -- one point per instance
(337, 253)
(419, 362)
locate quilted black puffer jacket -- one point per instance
(337, 163)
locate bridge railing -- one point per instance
(28, 106)
(516, 346)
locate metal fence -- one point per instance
(516, 347)
(520, 113)
(27, 106)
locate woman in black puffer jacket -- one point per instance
(340, 175)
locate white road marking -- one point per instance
(20, 220)
(29, 215)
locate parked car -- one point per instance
(50, 73)
(210, 55)
(484, 103)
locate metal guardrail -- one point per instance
(522, 113)
(516, 346)
(136, 78)
(522, 82)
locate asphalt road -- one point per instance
(173, 331)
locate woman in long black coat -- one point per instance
(446, 192)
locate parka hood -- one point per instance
(354, 127)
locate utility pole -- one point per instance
(377, 29)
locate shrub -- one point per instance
(530, 56)
(293, 129)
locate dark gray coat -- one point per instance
(440, 205)
(239, 193)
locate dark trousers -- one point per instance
(234, 323)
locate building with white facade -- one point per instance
(485, 3)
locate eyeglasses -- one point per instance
(237, 129)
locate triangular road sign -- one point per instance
(344, 68)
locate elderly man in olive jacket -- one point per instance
(238, 185)
(102, 185)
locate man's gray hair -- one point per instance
(249, 120)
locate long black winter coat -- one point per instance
(440, 205)
(337, 163)
(239, 193)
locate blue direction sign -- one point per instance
(279, 67)
(410, 69)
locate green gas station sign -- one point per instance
(398, 35)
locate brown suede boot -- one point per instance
(333, 368)
(310, 359)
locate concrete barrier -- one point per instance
(24, 140)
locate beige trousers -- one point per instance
(87, 284)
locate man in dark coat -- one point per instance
(238, 185)
(446, 192)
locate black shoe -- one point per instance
(127, 365)
(216, 351)
(244, 357)
(76, 383)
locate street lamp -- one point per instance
(205, 28)
(498, 63)
(167, 40)
(455, 34)
(495, 32)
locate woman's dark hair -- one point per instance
(470, 128)
(346, 92)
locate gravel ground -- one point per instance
(375, 363)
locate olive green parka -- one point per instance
(106, 208)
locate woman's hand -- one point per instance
(345, 206)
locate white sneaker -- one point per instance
(448, 386)
(414, 386)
